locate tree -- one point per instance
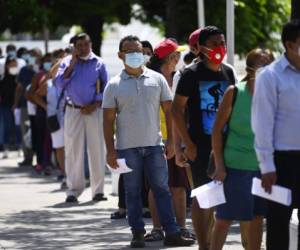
(295, 9)
(257, 22)
(34, 15)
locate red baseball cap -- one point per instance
(193, 38)
(166, 47)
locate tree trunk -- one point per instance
(171, 22)
(295, 9)
(94, 27)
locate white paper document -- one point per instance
(122, 169)
(279, 194)
(210, 194)
(17, 114)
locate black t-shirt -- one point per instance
(205, 89)
(7, 91)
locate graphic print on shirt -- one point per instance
(210, 93)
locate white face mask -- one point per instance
(85, 57)
(13, 71)
(146, 58)
(299, 51)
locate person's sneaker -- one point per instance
(187, 234)
(39, 168)
(71, 199)
(156, 234)
(138, 240)
(99, 197)
(118, 215)
(177, 240)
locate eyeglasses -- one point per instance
(131, 51)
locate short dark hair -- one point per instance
(21, 51)
(10, 47)
(129, 38)
(207, 32)
(290, 31)
(147, 44)
(80, 36)
(189, 57)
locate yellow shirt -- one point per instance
(163, 125)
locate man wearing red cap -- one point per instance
(200, 90)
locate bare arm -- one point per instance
(178, 110)
(166, 107)
(33, 96)
(69, 70)
(109, 117)
(29, 94)
(223, 115)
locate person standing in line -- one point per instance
(83, 75)
(121, 212)
(199, 91)
(166, 57)
(55, 111)
(275, 122)
(7, 93)
(43, 140)
(24, 79)
(133, 99)
(236, 162)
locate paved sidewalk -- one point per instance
(34, 216)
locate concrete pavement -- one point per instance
(33, 216)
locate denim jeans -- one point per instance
(152, 161)
(6, 125)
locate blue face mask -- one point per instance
(31, 60)
(25, 57)
(134, 60)
(47, 66)
(12, 53)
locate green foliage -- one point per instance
(32, 15)
(257, 22)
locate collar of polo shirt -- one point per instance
(145, 73)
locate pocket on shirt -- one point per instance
(152, 91)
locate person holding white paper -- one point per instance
(133, 99)
(275, 122)
(235, 159)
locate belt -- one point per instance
(74, 106)
(288, 152)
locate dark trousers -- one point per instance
(278, 216)
(43, 139)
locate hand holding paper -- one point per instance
(122, 169)
(210, 194)
(279, 194)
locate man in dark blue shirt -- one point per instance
(24, 79)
